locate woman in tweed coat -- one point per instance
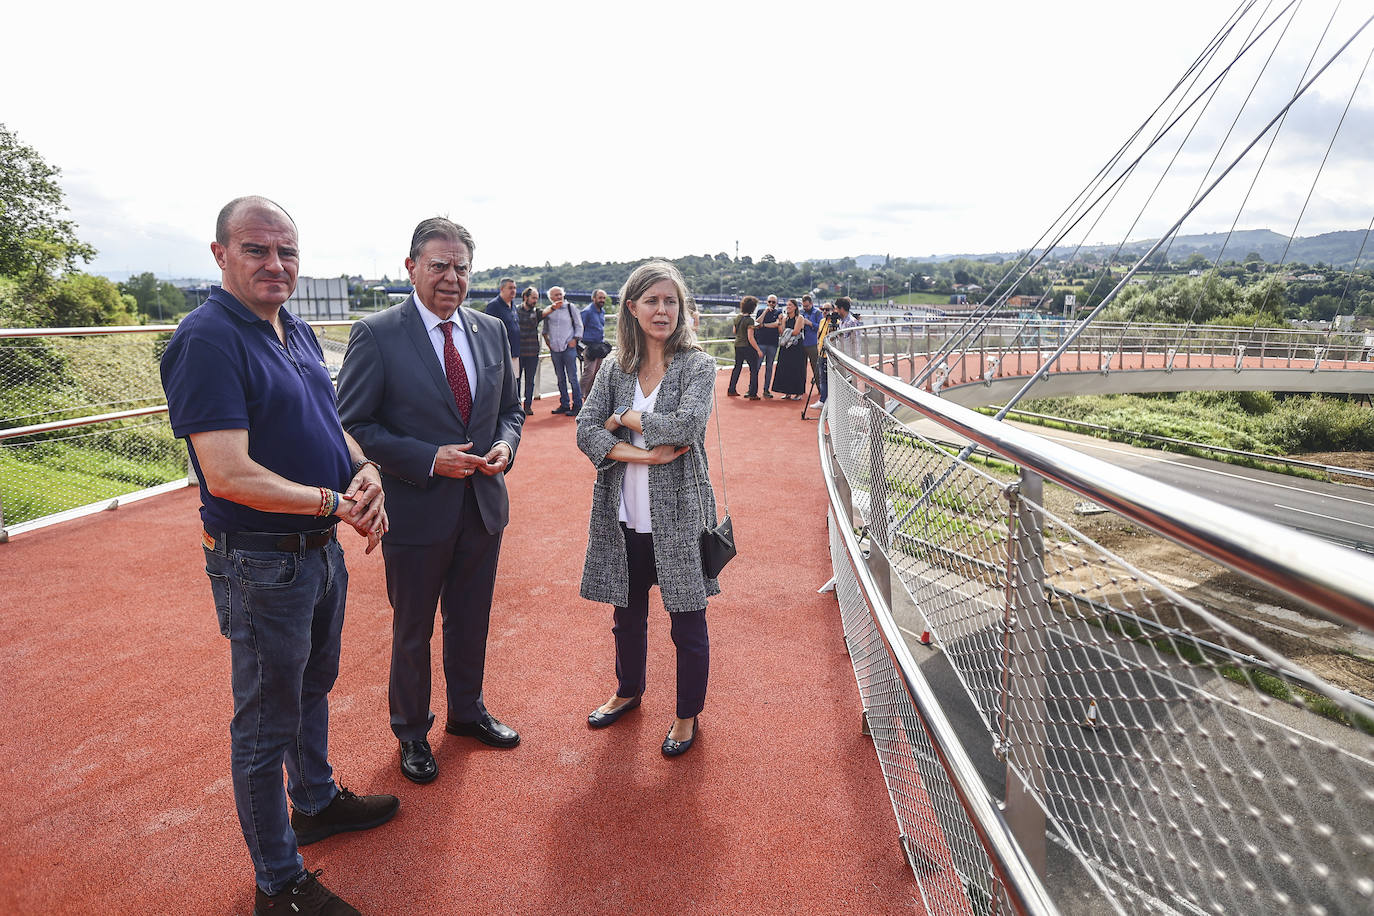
(643, 426)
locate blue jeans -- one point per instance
(283, 613)
(565, 367)
(770, 353)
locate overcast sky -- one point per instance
(612, 131)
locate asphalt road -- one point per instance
(1339, 513)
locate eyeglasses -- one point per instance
(439, 268)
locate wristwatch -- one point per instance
(620, 416)
(364, 462)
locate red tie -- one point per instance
(457, 378)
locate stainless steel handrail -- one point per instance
(1025, 892)
(56, 425)
(1330, 578)
(133, 329)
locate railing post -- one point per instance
(1024, 709)
(911, 351)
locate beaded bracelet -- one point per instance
(329, 503)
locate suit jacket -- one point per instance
(681, 501)
(395, 401)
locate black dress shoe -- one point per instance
(486, 730)
(673, 748)
(559, 410)
(529, 411)
(599, 719)
(417, 761)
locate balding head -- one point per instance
(250, 202)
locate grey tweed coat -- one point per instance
(678, 418)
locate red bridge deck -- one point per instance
(115, 681)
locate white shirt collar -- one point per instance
(432, 320)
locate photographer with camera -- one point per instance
(836, 317)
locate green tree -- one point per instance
(155, 298)
(78, 300)
(35, 239)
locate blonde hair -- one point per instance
(630, 341)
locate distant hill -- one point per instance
(1339, 249)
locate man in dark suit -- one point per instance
(427, 389)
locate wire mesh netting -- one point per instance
(952, 870)
(47, 380)
(1194, 778)
(60, 379)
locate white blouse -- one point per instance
(634, 489)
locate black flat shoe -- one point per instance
(599, 719)
(417, 761)
(487, 730)
(673, 748)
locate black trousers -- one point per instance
(746, 355)
(459, 575)
(632, 634)
(529, 366)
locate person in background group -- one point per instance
(812, 317)
(529, 316)
(644, 429)
(594, 346)
(746, 348)
(248, 389)
(790, 380)
(503, 307)
(427, 387)
(767, 336)
(828, 324)
(844, 311)
(562, 331)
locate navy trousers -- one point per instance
(632, 634)
(458, 574)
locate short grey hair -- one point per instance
(438, 227)
(549, 292)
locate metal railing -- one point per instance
(83, 419)
(1005, 349)
(1173, 774)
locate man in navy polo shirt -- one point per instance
(503, 307)
(248, 388)
(593, 340)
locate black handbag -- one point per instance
(717, 548)
(717, 540)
